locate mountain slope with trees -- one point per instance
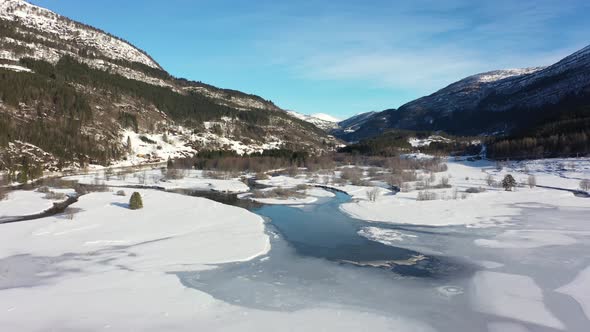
(532, 112)
(75, 92)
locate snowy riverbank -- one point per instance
(120, 260)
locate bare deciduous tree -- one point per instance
(490, 180)
(373, 194)
(532, 181)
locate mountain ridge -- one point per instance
(488, 103)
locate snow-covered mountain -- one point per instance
(33, 32)
(54, 68)
(78, 36)
(499, 101)
(323, 121)
(325, 117)
(38, 33)
(354, 122)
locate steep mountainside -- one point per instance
(497, 102)
(82, 95)
(359, 126)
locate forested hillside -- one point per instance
(80, 96)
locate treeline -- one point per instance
(53, 118)
(559, 131)
(230, 161)
(192, 107)
(43, 94)
(21, 170)
(396, 142)
(387, 144)
(63, 138)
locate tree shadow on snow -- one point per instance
(121, 205)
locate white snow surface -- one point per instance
(506, 327)
(110, 268)
(511, 296)
(287, 201)
(497, 75)
(284, 181)
(579, 289)
(419, 142)
(386, 236)
(493, 207)
(15, 68)
(320, 120)
(193, 180)
(312, 195)
(26, 202)
(528, 239)
(326, 117)
(160, 146)
(181, 223)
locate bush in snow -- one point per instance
(121, 193)
(279, 193)
(135, 203)
(261, 176)
(43, 190)
(585, 184)
(394, 181)
(372, 172)
(475, 190)
(426, 196)
(174, 174)
(146, 139)
(293, 171)
(301, 187)
(508, 182)
(406, 188)
(55, 196)
(444, 183)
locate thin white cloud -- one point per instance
(407, 47)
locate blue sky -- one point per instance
(339, 57)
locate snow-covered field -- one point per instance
(27, 202)
(312, 195)
(455, 207)
(104, 266)
(109, 267)
(191, 179)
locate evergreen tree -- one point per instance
(508, 182)
(129, 146)
(136, 203)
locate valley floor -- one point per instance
(104, 266)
